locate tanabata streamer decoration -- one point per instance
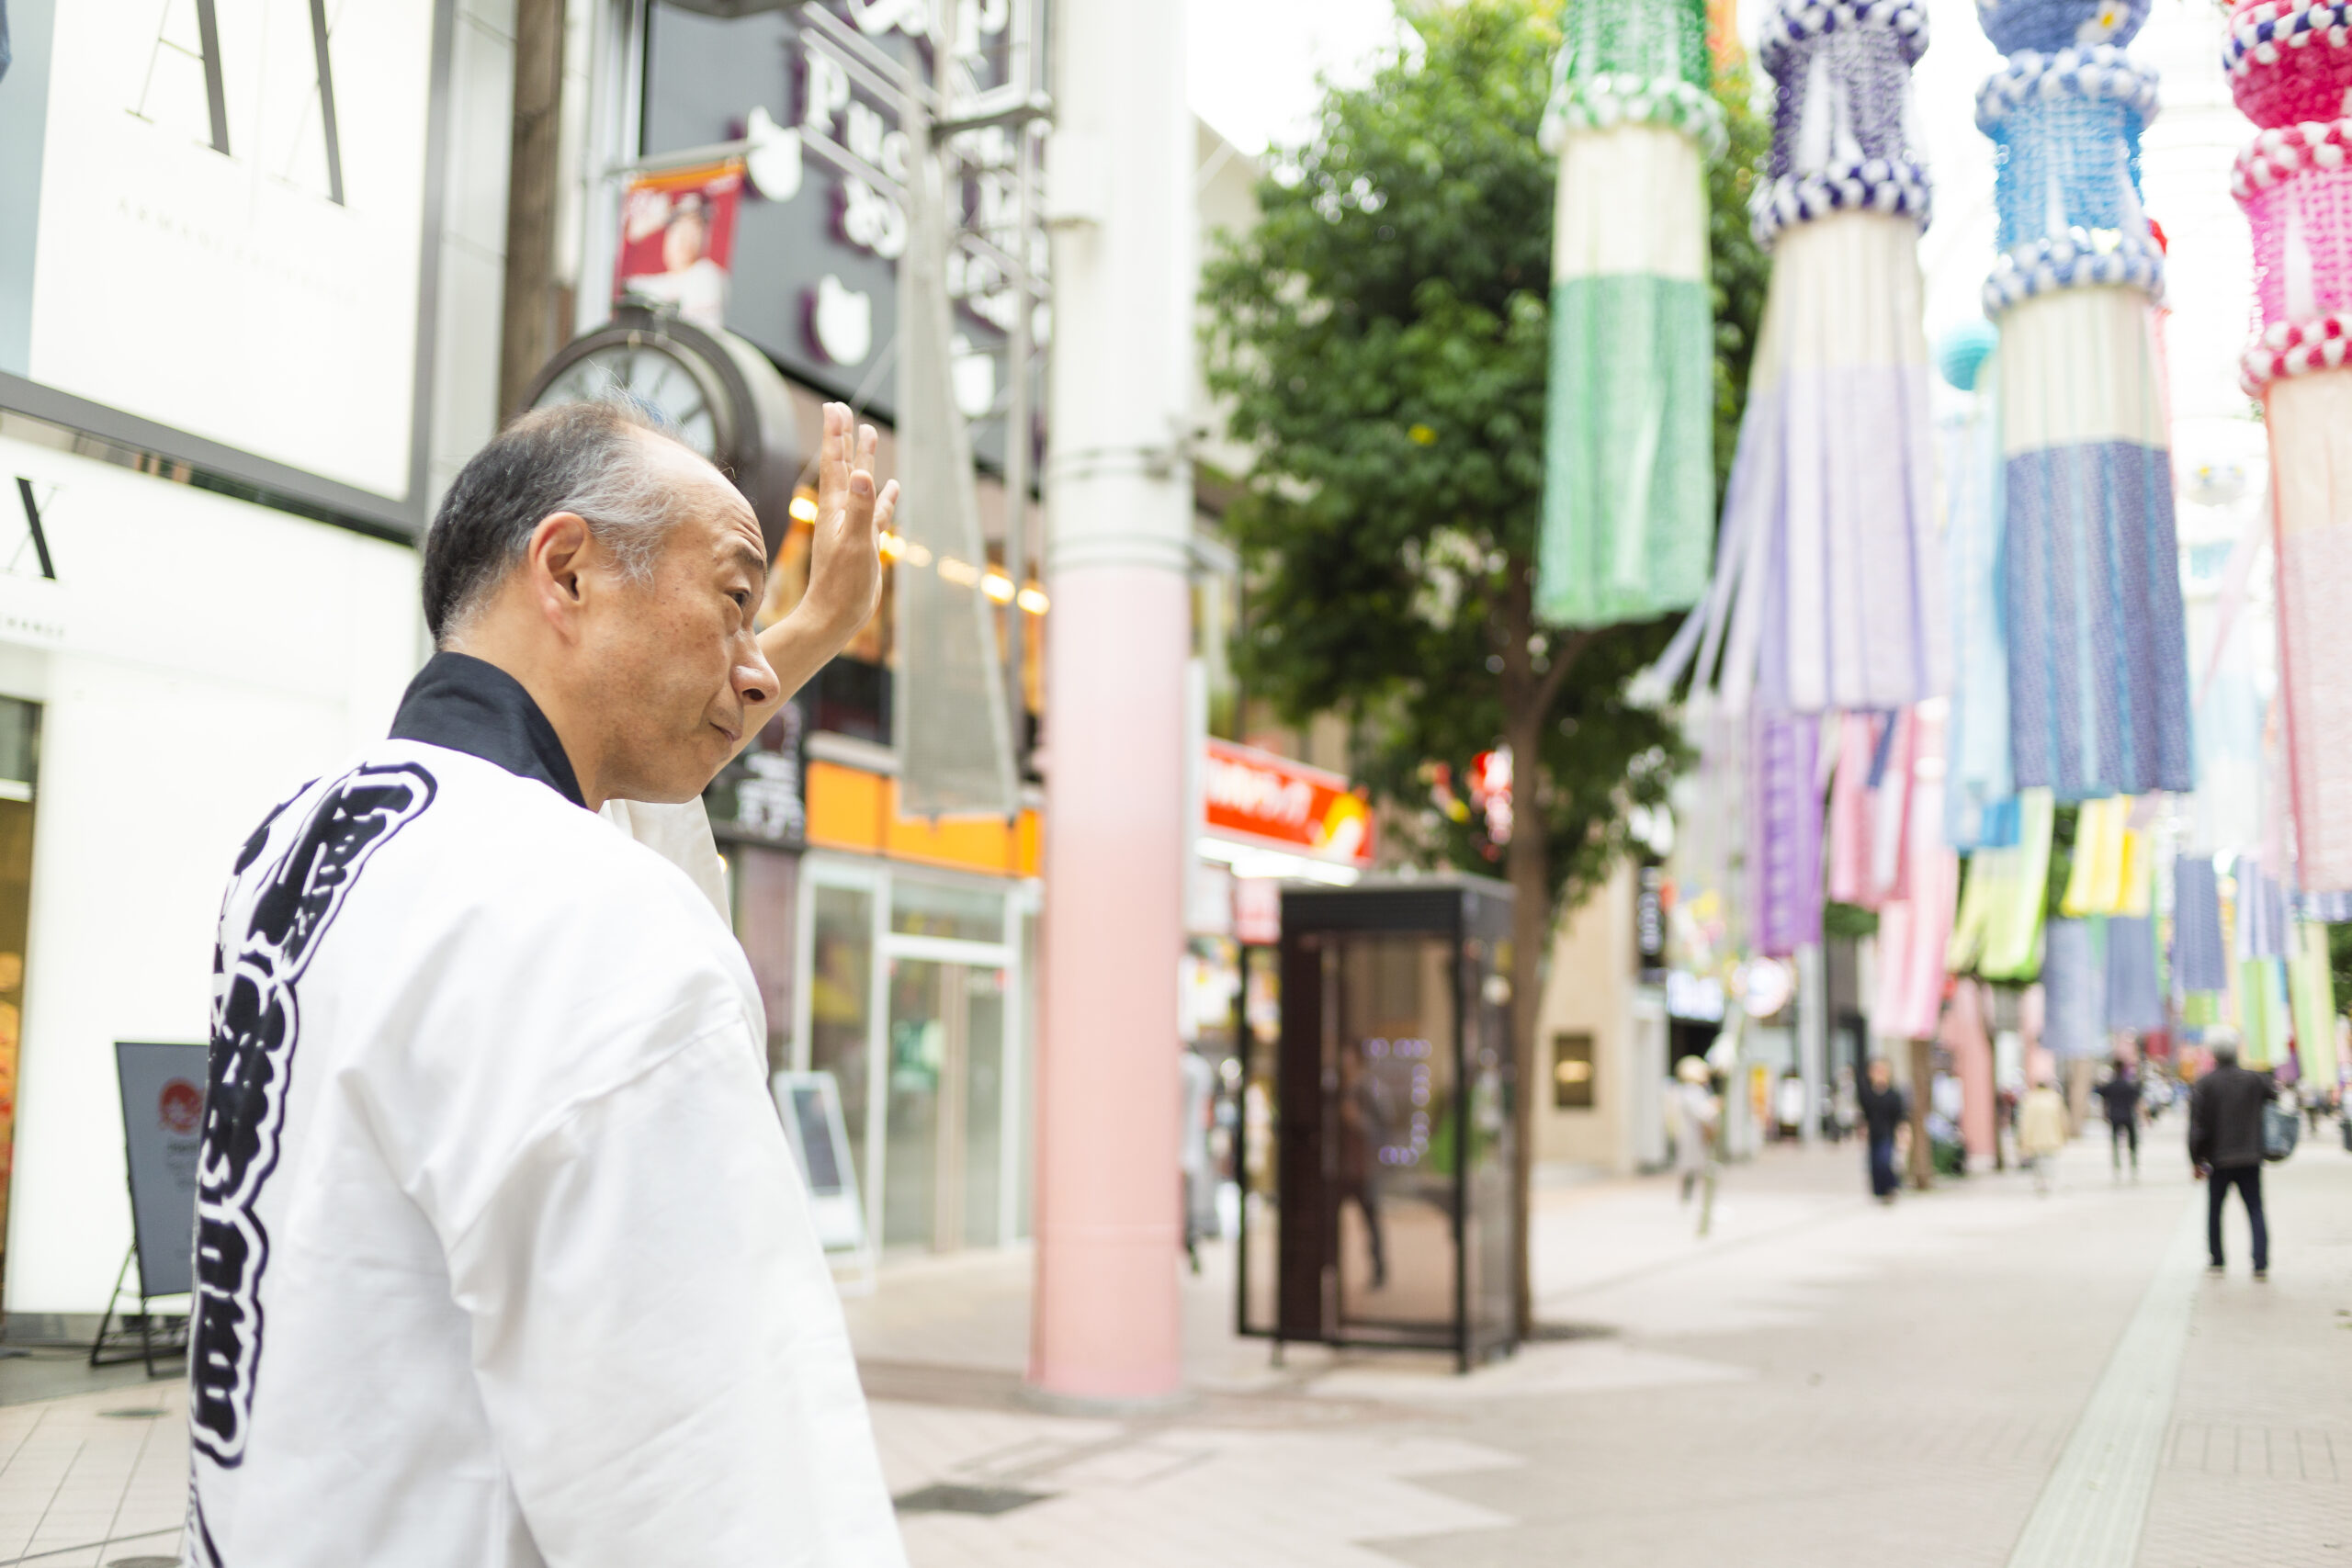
(1996, 932)
(2311, 989)
(1915, 925)
(1828, 587)
(2073, 978)
(1979, 780)
(2099, 664)
(2291, 69)
(2198, 962)
(1629, 468)
(1784, 832)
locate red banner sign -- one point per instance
(1258, 797)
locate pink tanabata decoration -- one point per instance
(2289, 66)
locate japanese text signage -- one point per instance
(822, 224)
(1255, 797)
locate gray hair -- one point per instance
(585, 459)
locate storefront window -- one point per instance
(840, 970)
(930, 908)
(19, 746)
(763, 882)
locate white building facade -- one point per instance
(249, 298)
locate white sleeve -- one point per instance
(680, 834)
(657, 1337)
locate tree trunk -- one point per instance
(1923, 1070)
(531, 334)
(1528, 694)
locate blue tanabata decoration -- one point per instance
(2096, 647)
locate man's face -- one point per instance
(1881, 1075)
(675, 658)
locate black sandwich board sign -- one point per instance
(163, 1131)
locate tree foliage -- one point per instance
(1382, 337)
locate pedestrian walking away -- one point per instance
(1697, 1117)
(2225, 1110)
(489, 1147)
(2120, 1095)
(1883, 1109)
(2041, 1133)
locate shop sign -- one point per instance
(1257, 797)
(759, 798)
(816, 242)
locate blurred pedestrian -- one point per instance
(2120, 1095)
(2041, 1132)
(1787, 1106)
(1883, 1109)
(2225, 1147)
(1698, 1117)
(1845, 1109)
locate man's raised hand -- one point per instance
(845, 557)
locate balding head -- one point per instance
(614, 572)
(590, 459)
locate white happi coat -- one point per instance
(502, 1257)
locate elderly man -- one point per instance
(502, 1257)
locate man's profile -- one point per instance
(502, 1259)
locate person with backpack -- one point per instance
(2225, 1145)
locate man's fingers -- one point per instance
(885, 507)
(832, 456)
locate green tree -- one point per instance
(1382, 335)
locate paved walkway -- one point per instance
(1976, 1376)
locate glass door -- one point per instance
(944, 1151)
(1391, 1131)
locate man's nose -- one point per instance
(756, 681)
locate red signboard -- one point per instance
(1257, 797)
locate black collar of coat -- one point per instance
(467, 705)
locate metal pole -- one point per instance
(1017, 433)
(530, 333)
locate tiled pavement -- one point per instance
(1821, 1382)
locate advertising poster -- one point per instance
(163, 1131)
(678, 242)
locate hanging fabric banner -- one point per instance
(2135, 1002)
(1915, 931)
(2074, 984)
(1980, 778)
(2099, 661)
(1784, 842)
(2310, 983)
(2198, 962)
(1629, 427)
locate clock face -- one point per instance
(652, 374)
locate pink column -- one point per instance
(1105, 1319)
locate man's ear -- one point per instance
(557, 557)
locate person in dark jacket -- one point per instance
(2225, 1145)
(1883, 1109)
(2121, 1094)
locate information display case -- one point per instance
(1377, 1125)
